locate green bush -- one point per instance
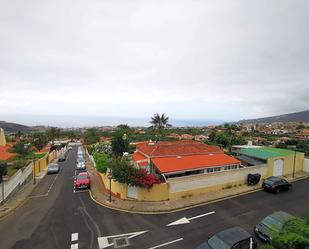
(101, 161)
(295, 235)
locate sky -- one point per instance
(74, 62)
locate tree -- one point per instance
(21, 148)
(120, 143)
(91, 136)
(39, 140)
(159, 122)
(295, 235)
(53, 133)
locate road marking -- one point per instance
(74, 246)
(74, 236)
(46, 194)
(38, 196)
(103, 241)
(185, 220)
(167, 243)
(80, 191)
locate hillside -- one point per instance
(12, 127)
(290, 117)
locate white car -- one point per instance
(70, 148)
(80, 165)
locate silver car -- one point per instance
(53, 168)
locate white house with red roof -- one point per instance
(182, 158)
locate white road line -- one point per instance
(37, 196)
(50, 187)
(74, 236)
(74, 246)
(80, 191)
(167, 243)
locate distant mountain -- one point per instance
(290, 117)
(12, 127)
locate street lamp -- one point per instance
(110, 177)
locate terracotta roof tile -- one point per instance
(183, 163)
(4, 154)
(176, 148)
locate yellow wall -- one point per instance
(40, 165)
(117, 188)
(288, 164)
(158, 192)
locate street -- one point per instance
(55, 216)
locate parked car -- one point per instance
(82, 181)
(53, 168)
(61, 158)
(276, 184)
(272, 224)
(70, 148)
(80, 165)
(232, 238)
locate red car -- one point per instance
(82, 180)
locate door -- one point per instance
(132, 192)
(278, 167)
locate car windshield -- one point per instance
(82, 177)
(80, 160)
(269, 182)
(53, 166)
(272, 223)
(217, 243)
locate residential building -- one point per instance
(182, 158)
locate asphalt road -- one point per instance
(57, 217)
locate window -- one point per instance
(217, 169)
(210, 170)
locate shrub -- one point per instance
(101, 161)
(126, 173)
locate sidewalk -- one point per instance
(20, 198)
(101, 196)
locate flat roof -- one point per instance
(192, 162)
(265, 152)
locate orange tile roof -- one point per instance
(138, 156)
(4, 154)
(184, 163)
(142, 164)
(176, 148)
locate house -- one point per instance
(182, 158)
(187, 136)
(201, 138)
(4, 148)
(174, 135)
(303, 135)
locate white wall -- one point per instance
(186, 183)
(15, 181)
(306, 165)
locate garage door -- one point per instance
(278, 167)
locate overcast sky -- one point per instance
(195, 60)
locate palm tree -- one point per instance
(159, 122)
(52, 133)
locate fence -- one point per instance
(24, 175)
(16, 181)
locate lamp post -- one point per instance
(294, 163)
(110, 177)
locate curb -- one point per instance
(174, 210)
